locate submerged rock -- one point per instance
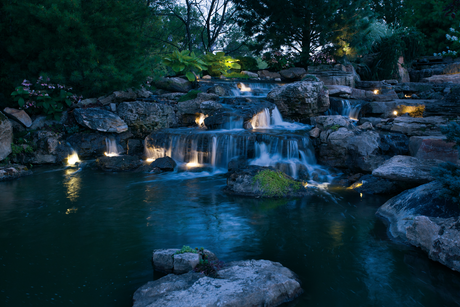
(118, 163)
(242, 283)
(100, 120)
(258, 181)
(165, 164)
(14, 171)
(422, 217)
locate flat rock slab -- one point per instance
(407, 169)
(433, 147)
(167, 261)
(19, 115)
(419, 126)
(243, 283)
(100, 120)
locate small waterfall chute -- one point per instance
(111, 147)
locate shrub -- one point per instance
(278, 61)
(185, 62)
(218, 64)
(236, 75)
(42, 97)
(186, 249)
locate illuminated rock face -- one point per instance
(300, 100)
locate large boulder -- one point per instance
(300, 100)
(265, 74)
(242, 283)
(407, 169)
(293, 73)
(93, 145)
(19, 115)
(335, 77)
(433, 147)
(100, 120)
(249, 181)
(454, 78)
(422, 217)
(6, 136)
(144, 117)
(118, 163)
(369, 184)
(174, 84)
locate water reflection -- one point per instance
(72, 183)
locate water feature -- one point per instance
(345, 107)
(247, 88)
(66, 241)
(111, 147)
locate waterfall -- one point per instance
(293, 154)
(345, 107)
(111, 147)
(263, 120)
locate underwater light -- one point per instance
(395, 113)
(111, 154)
(376, 92)
(243, 88)
(193, 164)
(73, 159)
(150, 160)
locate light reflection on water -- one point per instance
(100, 254)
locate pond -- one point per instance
(86, 239)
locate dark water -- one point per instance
(87, 239)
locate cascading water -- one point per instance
(345, 107)
(252, 89)
(290, 153)
(111, 147)
(265, 120)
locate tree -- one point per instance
(301, 25)
(429, 17)
(391, 11)
(95, 46)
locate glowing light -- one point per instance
(355, 185)
(150, 160)
(193, 164)
(71, 210)
(395, 113)
(305, 184)
(407, 96)
(73, 159)
(376, 92)
(360, 194)
(243, 88)
(111, 154)
(199, 120)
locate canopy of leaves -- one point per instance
(94, 46)
(302, 25)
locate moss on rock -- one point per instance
(275, 183)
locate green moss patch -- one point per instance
(275, 183)
(189, 96)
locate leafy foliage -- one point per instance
(429, 18)
(185, 62)
(247, 63)
(387, 51)
(186, 249)
(275, 183)
(218, 64)
(236, 75)
(278, 61)
(301, 25)
(189, 96)
(93, 46)
(42, 97)
(209, 268)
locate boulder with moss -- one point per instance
(258, 181)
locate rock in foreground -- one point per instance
(243, 283)
(13, 172)
(118, 163)
(422, 217)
